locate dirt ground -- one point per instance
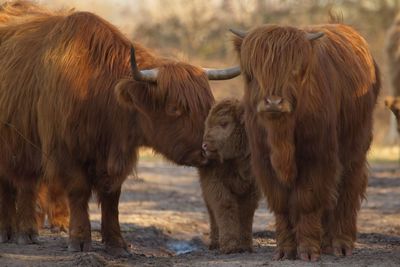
(163, 217)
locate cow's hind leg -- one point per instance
(79, 224)
(110, 229)
(58, 210)
(26, 213)
(7, 210)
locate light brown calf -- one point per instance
(228, 185)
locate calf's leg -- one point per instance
(247, 207)
(226, 212)
(214, 232)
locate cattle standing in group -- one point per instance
(227, 182)
(309, 98)
(67, 115)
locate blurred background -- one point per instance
(196, 31)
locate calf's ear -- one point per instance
(127, 93)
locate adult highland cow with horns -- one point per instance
(66, 114)
(309, 97)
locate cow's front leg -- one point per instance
(26, 213)
(7, 210)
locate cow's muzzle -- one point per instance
(274, 106)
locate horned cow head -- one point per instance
(171, 103)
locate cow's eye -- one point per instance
(174, 111)
(224, 124)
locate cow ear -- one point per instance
(237, 43)
(238, 37)
(127, 95)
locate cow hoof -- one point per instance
(25, 239)
(327, 250)
(118, 252)
(233, 247)
(5, 237)
(79, 246)
(342, 248)
(213, 246)
(284, 255)
(342, 251)
(311, 256)
(58, 229)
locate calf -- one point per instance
(228, 185)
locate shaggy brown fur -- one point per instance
(52, 201)
(311, 159)
(62, 116)
(228, 185)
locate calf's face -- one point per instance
(224, 135)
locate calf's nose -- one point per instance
(204, 146)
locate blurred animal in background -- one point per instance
(71, 113)
(309, 97)
(393, 103)
(228, 185)
(393, 60)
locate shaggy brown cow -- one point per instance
(62, 116)
(228, 185)
(309, 97)
(52, 201)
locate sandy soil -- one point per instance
(164, 219)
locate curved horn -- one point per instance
(314, 35)
(222, 74)
(142, 75)
(238, 33)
